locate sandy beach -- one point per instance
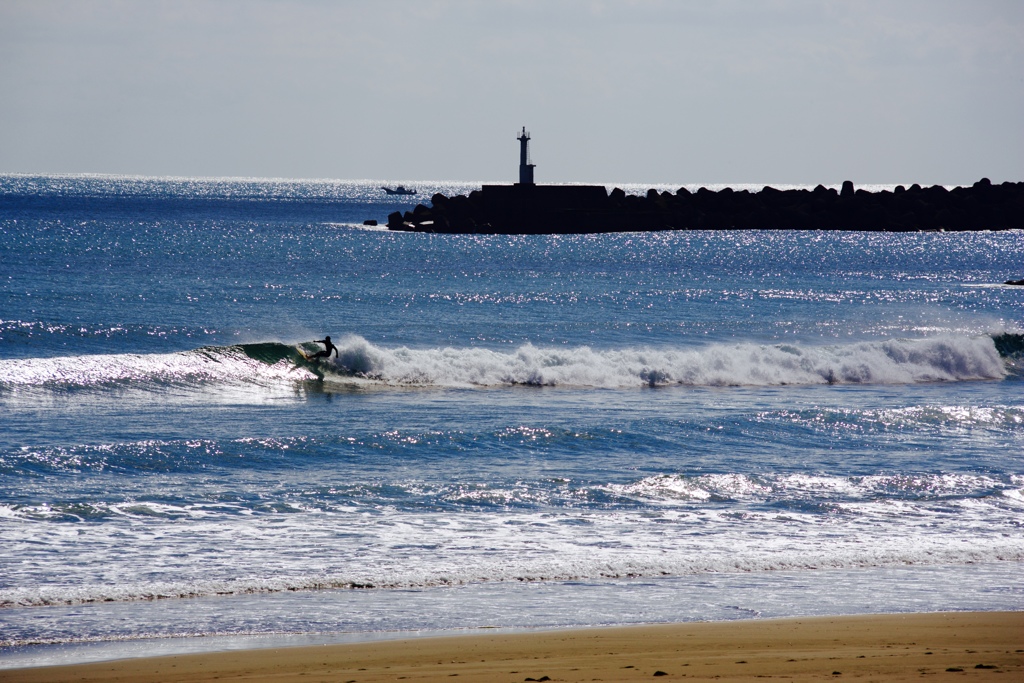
(952, 645)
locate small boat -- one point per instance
(399, 190)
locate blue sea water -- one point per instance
(518, 431)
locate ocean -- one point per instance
(517, 431)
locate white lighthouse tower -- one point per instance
(525, 167)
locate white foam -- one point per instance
(684, 526)
(775, 553)
(1014, 496)
(933, 359)
(670, 489)
(946, 358)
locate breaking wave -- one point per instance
(891, 361)
(654, 526)
(599, 563)
(742, 364)
(934, 554)
(211, 364)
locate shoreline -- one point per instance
(887, 646)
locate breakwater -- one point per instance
(548, 209)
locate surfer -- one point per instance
(328, 347)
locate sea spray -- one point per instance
(900, 361)
(906, 361)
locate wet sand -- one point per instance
(954, 646)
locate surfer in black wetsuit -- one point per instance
(328, 347)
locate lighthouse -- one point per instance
(525, 167)
(522, 208)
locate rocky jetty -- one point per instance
(555, 209)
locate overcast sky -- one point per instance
(783, 91)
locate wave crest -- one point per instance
(950, 358)
(894, 361)
(210, 364)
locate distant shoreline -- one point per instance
(887, 647)
(576, 209)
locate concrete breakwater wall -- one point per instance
(554, 209)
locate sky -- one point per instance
(644, 91)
